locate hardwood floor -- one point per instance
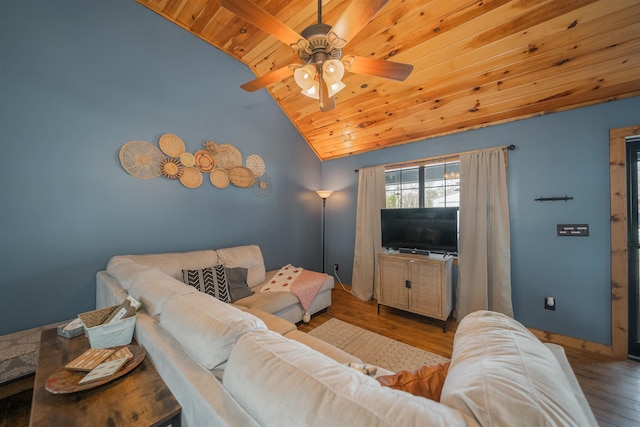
(611, 387)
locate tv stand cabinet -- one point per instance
(418, 284)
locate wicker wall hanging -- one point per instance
(223, 163)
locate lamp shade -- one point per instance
(324, 193)
(313, 91)
(305, 76)
(334, 88)
(332, 72)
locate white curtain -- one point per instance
(371, 198)
(484, 264)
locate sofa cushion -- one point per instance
(249, 257)
(323, 347)
(273, 323)
(210, 280)
(237, 283)
(285, 383)
(124, 270)
(153, 288)
(205, 327)
(426, 381)
(173, 263)
(273, 302)
(502, 375)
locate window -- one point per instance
(433, 184)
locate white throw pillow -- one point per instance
(205, 327)
(282, 382)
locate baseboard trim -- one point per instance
(575, 343)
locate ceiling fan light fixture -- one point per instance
(333, 70)
(305, 77)
(312, 91)
(333, 88)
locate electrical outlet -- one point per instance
(336, 267)
(550, 303)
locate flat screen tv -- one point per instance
(433, 229)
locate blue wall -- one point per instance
(78, 79)
(560, 154)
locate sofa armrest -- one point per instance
(108, 291)
(501, 374)
(559, 354)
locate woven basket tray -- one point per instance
(108, 335)
(96, 317)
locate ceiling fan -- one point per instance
(319, 48)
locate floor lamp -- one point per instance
(325, 195)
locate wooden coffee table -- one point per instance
(139, 398)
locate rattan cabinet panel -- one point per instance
(416, 283)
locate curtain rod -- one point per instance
(510, 147)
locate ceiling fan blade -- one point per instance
(268, 79)
(380, 68)
(257, 16)
(355, 17)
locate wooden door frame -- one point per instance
(619, 254)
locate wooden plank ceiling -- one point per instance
(476, 63)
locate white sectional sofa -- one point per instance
(235, 365)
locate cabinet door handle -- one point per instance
(407, 284)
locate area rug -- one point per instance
(373, 348)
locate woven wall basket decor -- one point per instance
(205, 161)
(172, 168)
(191, 177)
(255, 164)
(171, 145)
(223, 163)
(141, 159)
(227, 156)
(219, 178)
(241, 177)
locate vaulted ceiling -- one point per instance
(476, 63)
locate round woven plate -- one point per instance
(171, 145)
(205, 161)
(241, 177)
(191, 177)
(227, 156)
(219, 178)
(141, 159)
(255, 164)
(172, 168)
(187, 159)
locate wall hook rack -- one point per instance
(553, 199)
